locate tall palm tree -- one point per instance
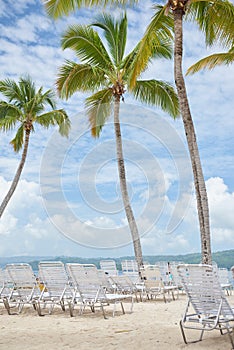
(212, 61)
(23, 109)
(105, 72)
(215, 19)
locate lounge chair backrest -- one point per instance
(109, 266)
(129, 266)
(21, 275)
(86, 279)
(175, 278)
(54, 275)
(152, 276)
(223, 276)
(201, 284)
(5, 285)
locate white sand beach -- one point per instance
(152, 325)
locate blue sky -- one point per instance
(68, 200)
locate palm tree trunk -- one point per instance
(123, 187)
(17, 175)
(200, 188)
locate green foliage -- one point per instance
(78, 77)
(223, 259)
(115, 33)
(58, 8)
(87, 45)
(99, 108)
(212, 61)
(156, 42)
(157, 93)
(215, 19)
(103, 67)
(24, 108)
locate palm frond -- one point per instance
(212, 61)
(9, 116)
(87, 45)
(99, 108)
(157, 93)
(115, 32)
(78, 77)
(57, 117)
(215, 19)
(49, 98)
(27, 88)
(18, 140)
(10, 89)
(156, 42)
(58, 8)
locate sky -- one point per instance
(68, 201)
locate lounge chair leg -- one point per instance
(62, 305)
(122, 307)
(114, 308)
(20, 308)
(82, 307)
(131, 308)
(184, 337)
(7, 306)
(103, 311)
(71, 308)
(38, 306)
(230, 337)
(202, 332)
(183, 334)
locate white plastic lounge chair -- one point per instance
(5, 286)
(92, 294)
(174, 276)
(224, 280)
(130, 268)
(106, 281)
(124, 285)
(22, 287)
(57, 289)
(109, 267)
(207, 307)
(154, 285)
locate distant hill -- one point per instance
(223, 259)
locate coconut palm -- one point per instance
(213, 61)
(23, 109)
(104, 71)
(215, 19)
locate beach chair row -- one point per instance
(76, 284)
(168, 272)
(69, 286)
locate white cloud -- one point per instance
(221, 203)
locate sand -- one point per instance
(152, 325)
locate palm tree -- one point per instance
(212, 61)
(105, 73)
(215, 19)
(212, 18)
(24, 107)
